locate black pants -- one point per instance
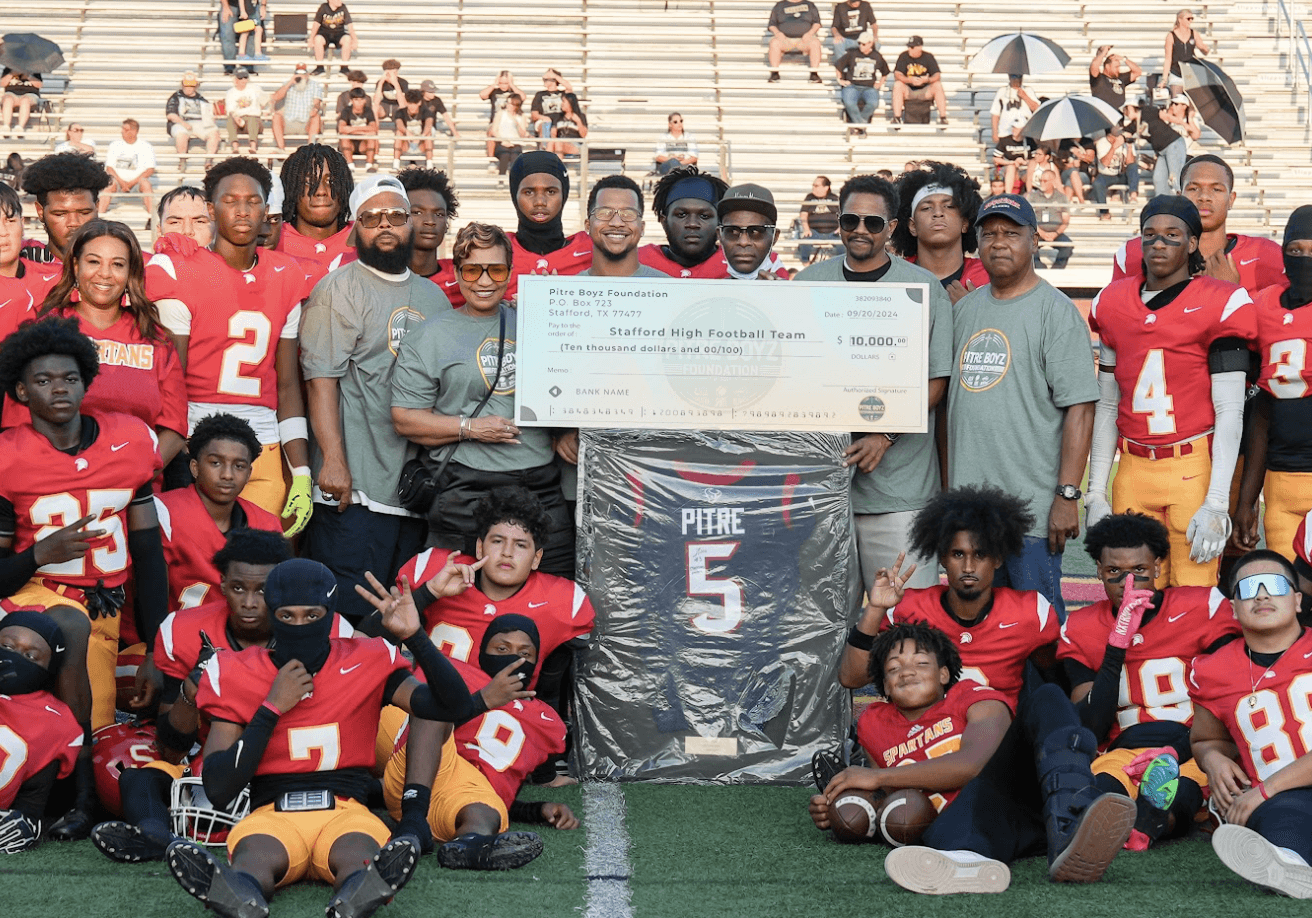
(359, 540)
(506, 154)
(451, 519)
(1284, 819)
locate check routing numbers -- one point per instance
(643, 352)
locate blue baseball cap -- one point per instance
(1012, 206)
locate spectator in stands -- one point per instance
(794, 26)
(431, 99)
(302, 108)
(497, 94)
(918, 77)
(130, 162)
(245, 107)
(572, 123)
(413, 119)
(317, 183)
(1150, 125)
(615, 226)
(1183, 46)
(66, 187)
(818, 219)
(1011, 103)
(251, 43)
(852, 18)
(896, 475)
(861, 75)
(1011, 157)
(184, 210)
(676, 147)
(11, 170)
(355, 79)
(509, 126)
(1054, 218)
(358, 130)
(1077, 164)
(547, 107)
(191, 117)
(22, 92)
(76, 141)
(1183, 118)
(332, 26)
(685, 202)
(936, 225)
(1042, 161)
(748, 231)
(1109, 74)
(1117, 165)
(228, 11)
(433, 204)
(389, 91)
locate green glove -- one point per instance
(298, 503)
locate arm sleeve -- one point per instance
(152, 581)
(34, 793)
(445, 697)
(1103, 447)
(17, 570)
(227, 772)
(1098, 708)
(1228, 401)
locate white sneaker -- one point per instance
(1258, 861)
(937, 873)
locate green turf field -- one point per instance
(726, 852)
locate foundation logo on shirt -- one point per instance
(399, 325)
(487, 365)
(985, 360)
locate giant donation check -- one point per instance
(721, 354)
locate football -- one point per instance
(904, 816)
(853, 817)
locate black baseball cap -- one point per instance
(756, 198)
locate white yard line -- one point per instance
(607, 858)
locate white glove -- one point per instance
(1096, 509)
(1207, 533)
(17, 832)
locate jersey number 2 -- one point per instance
(244, 353)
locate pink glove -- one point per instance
(1133, 605)
(176, 244)
(1139, 764)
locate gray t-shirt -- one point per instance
(351, 327)
(1020, 363)
(447, 365)
(907, 478)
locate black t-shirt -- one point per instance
(1110, 90)
(426, 113)
(390, 96)
(358, 119)
(1010, 148)
(497, 101)
(23, 84)
(332, 20)
(794, 17)
(1152, 128)
(821, 213)
(862, 69)
(549, 104)
(567, 128)
(869, 277)
(852, 22)
(923, 66)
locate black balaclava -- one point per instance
(18, 674)
(493, 663)
(1298, 268)
(301, 582)
(539, 238)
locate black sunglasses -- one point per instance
(874, 223)
(756, 232)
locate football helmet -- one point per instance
(116, 748)
(195, 818)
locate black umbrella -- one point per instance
(1218, 100)
(1020, 52)
(29, 53)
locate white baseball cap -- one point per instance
(373, 186)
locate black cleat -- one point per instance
(364, 891)
(486, 852)
(127, 844)
(201, 874)
(824, 765)
(1095, 840)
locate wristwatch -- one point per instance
(892, 438)
(1068, 491)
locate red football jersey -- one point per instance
(36, 728)
(1267, 711)
(890, 740)
(993, 649)
(713, 268)
(972, 272)
(177, 644)
(1261, 262)
(334, 728)
(235, 319)
(1282, 345)
(1161, 355)
(445, 278)
(331, 253)
(1154, 685)
(573, 257)
(559, 607)
(50, 489)
(191, 540)
(508, 742)
(137, 377)
(21, 297)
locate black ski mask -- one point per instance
(493, 663)
(539, 238)
(301, 582)
(18, 674)
(1298, 268)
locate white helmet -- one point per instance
(198, 820)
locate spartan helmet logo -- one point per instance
(1152, 318)
(965, 638)
(1289, 319)
(489, 609)
(80, 464)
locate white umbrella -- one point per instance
(1019, 52)
(1073, 115)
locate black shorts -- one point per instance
(332, 37)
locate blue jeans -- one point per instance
(816, 241)
(228, 40)
(860, 102)
(842, 46)
(1035, 568)
(1129, 178)
(1060, 253)
(1166, 173)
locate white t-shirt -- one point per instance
(1010, 109)
(129, 160)
(65, 147)
(245, 102)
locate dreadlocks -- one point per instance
(302, 172)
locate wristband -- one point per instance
(291, 429)
(272, 709)
(464, 427)
(1261, 789)
(860, 640)
(300, 471)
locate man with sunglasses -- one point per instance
(748, 233)
(1251, 700)
(351, 329)
(897, 475)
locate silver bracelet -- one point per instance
(464, 427)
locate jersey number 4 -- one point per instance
(55, 511)
(1150, 395)
(243, 353)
